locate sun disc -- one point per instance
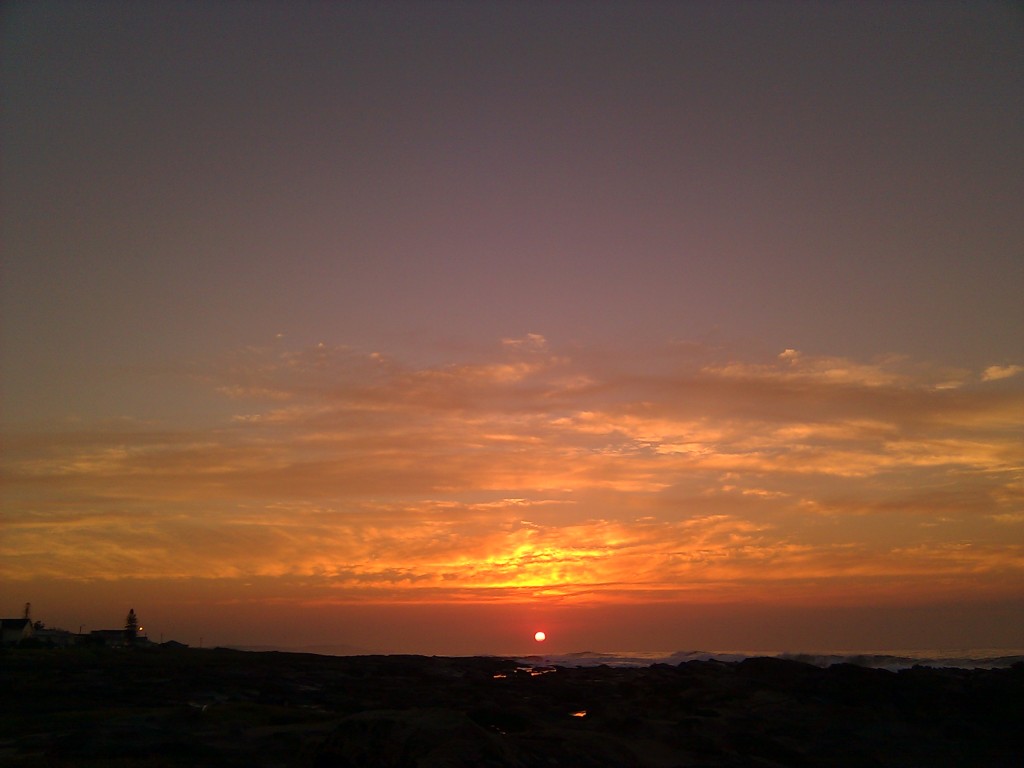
(540, 637)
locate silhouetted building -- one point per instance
(119, 638)
(13, 631)
(56, 638)
(112, 638)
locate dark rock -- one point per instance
(169, 707)
(418, 737)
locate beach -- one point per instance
(164, 707)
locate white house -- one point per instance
(13, 631)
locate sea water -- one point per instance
(973, 658)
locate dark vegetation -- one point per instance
(188, 707)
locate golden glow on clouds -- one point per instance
(996, 372)
(532, 476)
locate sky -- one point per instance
(422, 326)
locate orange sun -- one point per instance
(540, 637)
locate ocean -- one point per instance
(893, 660)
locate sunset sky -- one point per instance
(418, 327)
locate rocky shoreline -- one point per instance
(101, 707)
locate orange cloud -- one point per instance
(535, 475)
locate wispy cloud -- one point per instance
(996, 372)
(538, 473)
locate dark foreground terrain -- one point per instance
(159, 707)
